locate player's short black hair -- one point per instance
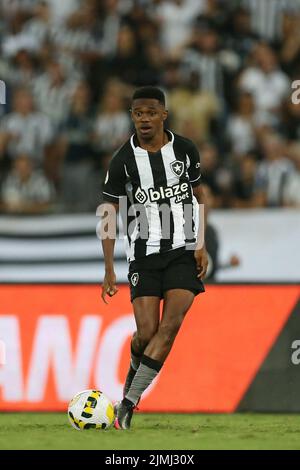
(150, 92)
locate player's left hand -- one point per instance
(202, 262)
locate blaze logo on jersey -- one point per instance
(140, 196)
(179, 191)
(177, 167)
(134, 279)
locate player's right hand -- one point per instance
(109, 286)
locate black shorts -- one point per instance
(154, 274)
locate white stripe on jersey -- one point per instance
(152, 211)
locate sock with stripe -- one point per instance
(146, 373)
(135, 360)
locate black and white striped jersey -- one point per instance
(155, 190)
(267, 15)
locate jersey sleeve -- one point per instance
(115, 180)
(194, 165)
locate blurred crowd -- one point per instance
(71, 66)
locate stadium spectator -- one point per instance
(244, 182)
(77, 153)
(53, 91)
(226, 67)
(25, 189)
(78, 41)
(176, 19)
(152, 71)
(289, 53)
(20, 69)
(110, 27)
(205, 56)
(25, 130)
(239, 35)
(266, 81)
(112, 125)
(272, 172)
(193, 109)
(267, 17)
(214, 13)
(17, 39)
(128, 61)
(215, 174)
(245, 125)
(38, 27)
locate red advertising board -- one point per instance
(61, 339)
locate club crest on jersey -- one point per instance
(140, 196)
(177, 167)
(134, 279)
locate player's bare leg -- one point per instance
(146, 313)
(176, 304)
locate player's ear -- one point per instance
(165, 114)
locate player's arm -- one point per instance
(200, 250)
(194, 177)
(200, 196)
(108, 238)
(113, 190)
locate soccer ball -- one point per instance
(91, 409)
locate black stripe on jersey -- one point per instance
(180, 150)
(159, 175)
(140, 247)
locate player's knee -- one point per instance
(144, 336)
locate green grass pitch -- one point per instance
(154, 432)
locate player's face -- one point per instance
(148, 116)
